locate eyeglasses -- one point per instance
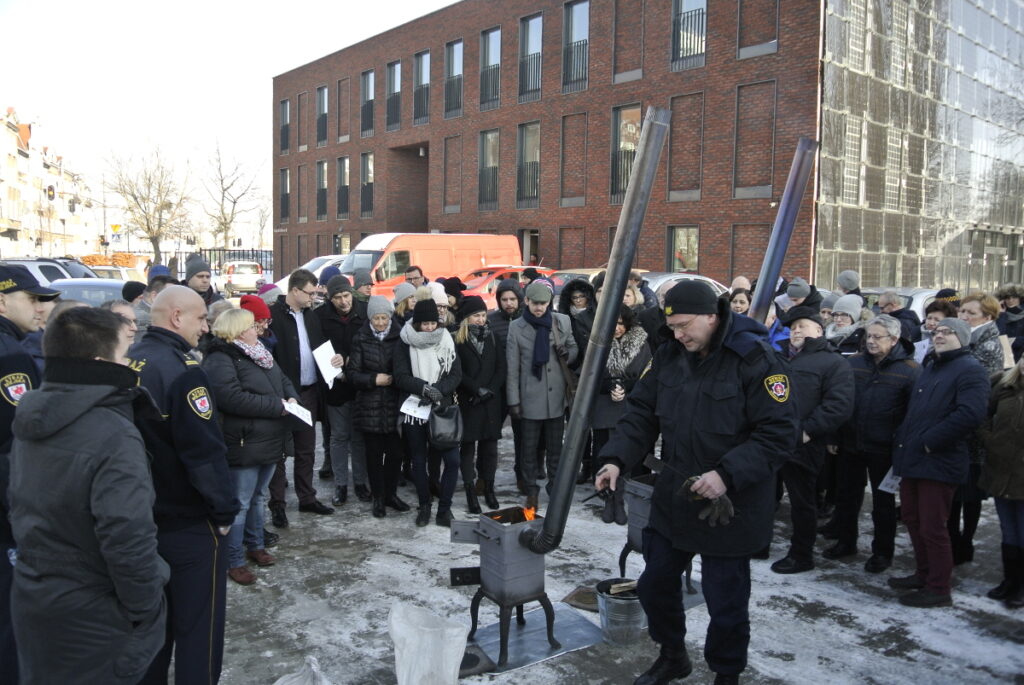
(943, 332)
(308, 293)
(871, 336)
(680, 326)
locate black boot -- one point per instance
(472, 503)
(490, 497)
(378, 508)
(444, 518)
(340, 495)
(670, 665)
(608, 513)
(1009, 584)
(423, 515)
(619, 504)
(1015, 600)
(396, 503)
(327, 472)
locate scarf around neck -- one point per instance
(623, 350)
(431, 353)
(477, 336)
(258, 353)
(541, 341)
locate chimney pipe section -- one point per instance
(631, 219)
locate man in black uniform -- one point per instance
(721, 401)
(195, 501)
(21, 312)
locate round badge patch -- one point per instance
(199, 400)
(14, 386)
(778, 387)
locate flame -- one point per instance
(529, 514)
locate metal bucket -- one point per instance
(622, 618)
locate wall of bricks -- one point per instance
(628, 38)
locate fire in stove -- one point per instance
(509, 574)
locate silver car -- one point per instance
(914, 299)
(655, 279)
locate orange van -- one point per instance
(388, 255)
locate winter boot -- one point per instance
(490, 497)
(1009, 584)
(423, 515)
(608, 513)
(1015, 600)
(618, 497)
(472, 504)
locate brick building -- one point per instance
(522, 116)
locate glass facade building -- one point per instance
(922, 143)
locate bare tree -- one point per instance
(231, 190)
(155, 200)
(262, 219)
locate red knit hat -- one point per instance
(257, 306)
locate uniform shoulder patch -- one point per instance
(14, 386)
(199, 400)
(777, 387)
(650, 363)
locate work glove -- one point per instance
(718, 512)
(432, 394)
(515, 411)
(484, 394)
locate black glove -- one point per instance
(515, 411)
(719, 511)
(562, 352)
(432, 394)
(484, 394)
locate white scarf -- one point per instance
(431, 354)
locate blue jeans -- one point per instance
(1011, 520)
(417, 444)
(346, 445)
(249, 482)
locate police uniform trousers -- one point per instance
(198, 558)
(8, 648)
(725, 582)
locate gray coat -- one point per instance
(87, 599)
(540, 398)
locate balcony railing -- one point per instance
(284, 137)
(342, 202)
(321, 130)
(622, 165)
(285, 206)
(453, 96)
(366, 200)
(528, 185)
(421, 104)
(689, 32)
(529, 78)
(321, 204)
(490, 85)
(487, 195)
(394, 112)
(575, 57)
(366, 119)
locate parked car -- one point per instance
(92, 291)
(238, 277)
(484, 282)
(46, 269)
(119, 272)
(655, 279)
(316, 265)
(914, 299)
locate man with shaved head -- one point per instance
(195, 502)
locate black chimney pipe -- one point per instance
(631, 219)
(782, 231)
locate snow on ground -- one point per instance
(336, 577)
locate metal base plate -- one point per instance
(528, 644)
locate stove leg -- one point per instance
(474, 610)
(504, 618)
(549, 614)
(519, 615)
(626, 549)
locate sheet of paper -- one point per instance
(299, 411)
(323, 355)
(413, 408)
(890, 483)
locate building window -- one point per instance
(366, 186)
(487, 196)
(343, 187)
(576, 50)
(682, 244)
(366, 105)
(286, 120)
(421, 93)
(321, 116)
(689, 33)
(394, 104)
(490, 69)
(453, 79)
(300, 194)
(321, 191)
(300, 249)
(530, 30)
(625, 139)
(285, 189)
(528, 166)
(301, 111)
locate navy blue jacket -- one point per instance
(882, 392)
(823, 390)
(186, 449)
(949, 402)
(909, 322)
(18, 375)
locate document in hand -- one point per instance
(323, 355)
(299, 411)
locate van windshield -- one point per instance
(360, 259)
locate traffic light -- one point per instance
(51, 194)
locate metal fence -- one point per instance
(575, 57)
(529, 78)
(622, 165)
(366, 200)
(689, 32)
(453, 96)
(343, 202)
(528, 185)
(366, 119)
(487, 196)
(490, 87)
(394, 112)
(421, 104)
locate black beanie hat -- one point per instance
(471, 304)
(426, 310)
(132, 289)
(691, 297)
(802, 312)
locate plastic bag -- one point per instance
(309, 675)
(428, 648)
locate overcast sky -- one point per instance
(116, 77)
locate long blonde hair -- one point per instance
(1013, 377)
(462, 335)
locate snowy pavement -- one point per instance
(336, 577)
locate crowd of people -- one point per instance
(218, 397)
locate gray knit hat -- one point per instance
(848, 304)
(338, 284)
(404, 291)
(829, 301)
(960, 328)
(379, 304)
(195, 265)
(798, 287)
(361, 277)
(848, 280)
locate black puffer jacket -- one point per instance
(340, 329)
(376, 406)
(249, 405)
(909, 322)
(481, 419)
(498, 319)
(881, 394)
(582, 322)
(823, 390)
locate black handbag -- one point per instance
(445, 427)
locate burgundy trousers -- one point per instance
(924, 509)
